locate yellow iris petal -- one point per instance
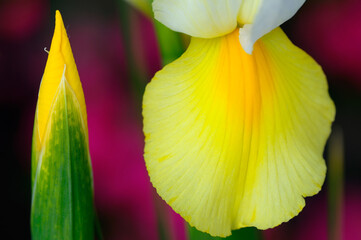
(233, 139)
(60, 58)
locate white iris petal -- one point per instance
(248, 11)
(198, 18)
(271, 14)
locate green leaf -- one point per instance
(144, 6)
(249, 233)
(170, 43)
(62, 196)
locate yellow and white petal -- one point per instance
(60, 55)
(198, 18)
(235, 140)
(270, 14)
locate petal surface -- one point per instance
(198, 18)
(235, 140)
(270, 14)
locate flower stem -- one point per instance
(335, 185)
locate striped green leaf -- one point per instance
(62, 193)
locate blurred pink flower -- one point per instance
(124, 196)
(122, 188)
(145, 47)
(20, 18)
(312, 222)
(330, 31)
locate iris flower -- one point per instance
(236, 127)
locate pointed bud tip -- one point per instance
(58, 17)
(59, 25)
